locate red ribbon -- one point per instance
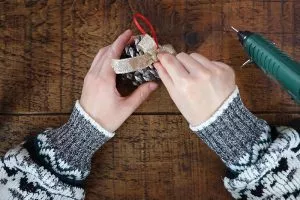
(148, 23)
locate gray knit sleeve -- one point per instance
(233, 131)
(67, 151)
(263, 162)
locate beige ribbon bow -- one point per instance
(148, 46)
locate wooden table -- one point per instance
(46, 48)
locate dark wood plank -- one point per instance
(46, 47)
(151, 157)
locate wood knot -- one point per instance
(192, 39)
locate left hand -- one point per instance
(100, 97)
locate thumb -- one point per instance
(140, 95)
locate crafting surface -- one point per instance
(47, 46)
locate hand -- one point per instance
(197, 85)
(100, 98)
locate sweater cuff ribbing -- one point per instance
(68, 150)
(232, 131)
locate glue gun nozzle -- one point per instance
(234, 29)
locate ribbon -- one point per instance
(146, 45)
(148, 23)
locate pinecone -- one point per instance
(143, 75)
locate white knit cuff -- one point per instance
(218, 113)
(92, 121)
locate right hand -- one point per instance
(197, 85)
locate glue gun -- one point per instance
(272, 61)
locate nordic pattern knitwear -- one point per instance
(54, 163)
(260, 166)
(69, 149)
(263, 162)
(22, 178)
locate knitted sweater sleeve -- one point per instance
(54, 164)
(263, 161)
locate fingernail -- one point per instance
(152, 86)
(160, 55)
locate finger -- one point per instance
(120, 43)
(172, 65)
(164, 76)
(98, 58)
(131, 40)
(140, 95)
(220, 64)
(115, 52)
(192, 65)
(201, 59)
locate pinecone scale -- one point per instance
(143, 75)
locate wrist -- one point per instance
(103, 116)
(218, 113)
(232, 131)
(93, 120)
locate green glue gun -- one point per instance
(272, 61)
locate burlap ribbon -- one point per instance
(148, 46)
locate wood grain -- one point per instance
(151, 157)
(46, 47)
